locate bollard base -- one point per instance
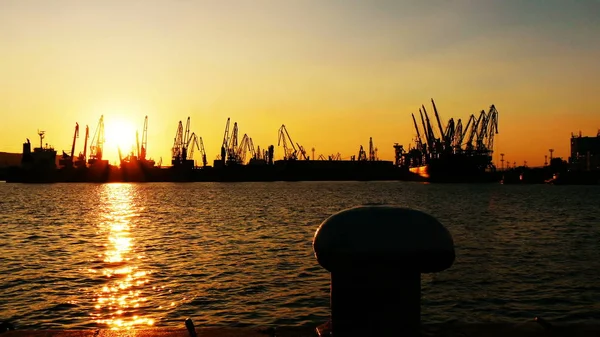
(375, 303)
(324, 329)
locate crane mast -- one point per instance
(75, 136)
(202, 152)
(371, 150)
(66, 160)
(177, 149)
(225, 142)
(192, 140)
(362, 154)
(232, 147)
(137, 144)
(144, 149)
(443, 136)
(82, 157)
(419, 141)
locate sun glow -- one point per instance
(119, 133)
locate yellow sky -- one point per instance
(335, 72)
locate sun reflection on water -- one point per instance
(119, 303)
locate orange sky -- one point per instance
(335, 72)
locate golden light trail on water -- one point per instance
(119, 302)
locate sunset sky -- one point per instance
(334, 72)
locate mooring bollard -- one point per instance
(189, 325)
(376, 255)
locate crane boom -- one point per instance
(418, 133)
(87, 136)
(75, 136)
(284, 137)
(225, 141)
(144, 150)
(177, 150)
(439, 123)
(97, 142)
(202, 152)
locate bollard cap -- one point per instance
(383, 237)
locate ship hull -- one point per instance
(457, 169)
(280, 171)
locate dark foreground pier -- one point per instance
(528, 329)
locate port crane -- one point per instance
(144, 148)
(141, 151)
(445, 137)
(256, 154)
(243, 149)
(192, 140)
(82, 158)
(97, 143)
(372, 150)
(181, 144)
(202, 152)
(232, 147)
(258, 157)
(177, 149)
(474, 139)
(362, 154)
(224, 144)
(290, 152)
(67, 159)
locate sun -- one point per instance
(119, 134)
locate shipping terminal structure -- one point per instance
(448, 151)
(453, 153)
(238, 160)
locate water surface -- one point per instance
(237, 254)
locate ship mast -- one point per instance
(41, 134)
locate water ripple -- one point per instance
(93, 256)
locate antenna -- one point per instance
(41, 134)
